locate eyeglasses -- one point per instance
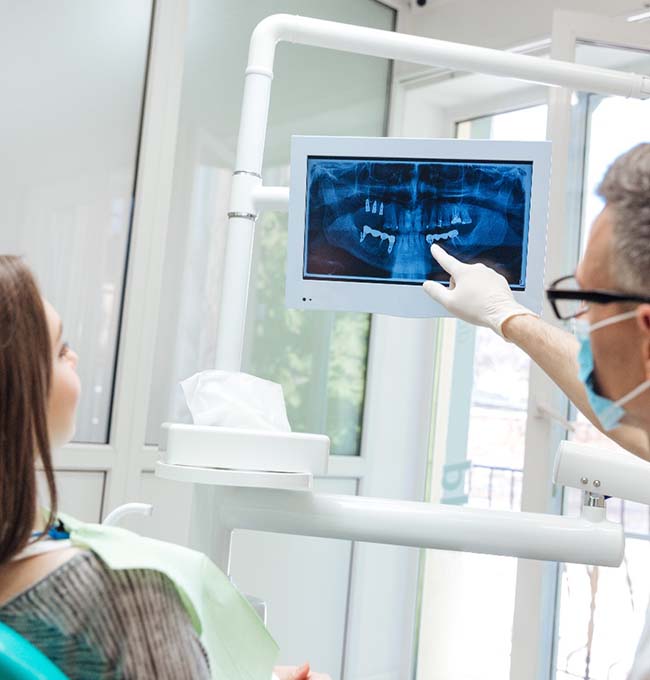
(569, 301)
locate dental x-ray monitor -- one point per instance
(364, 212)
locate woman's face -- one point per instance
(66, 387)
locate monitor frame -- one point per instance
(407, 299)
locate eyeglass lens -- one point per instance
(569, 309)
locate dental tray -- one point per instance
(238, 449)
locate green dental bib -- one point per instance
(237, 643)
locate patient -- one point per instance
(92, 622)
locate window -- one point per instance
(69, 133)
(318, 357)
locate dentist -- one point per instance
(605, 370)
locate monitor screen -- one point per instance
(365, 211)
(375, 219)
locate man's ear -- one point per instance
(643, 320)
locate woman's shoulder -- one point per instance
(133, 617)
(80, 576)
(22, 575)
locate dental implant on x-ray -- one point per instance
(378, 218)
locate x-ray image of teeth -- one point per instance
(376, 219)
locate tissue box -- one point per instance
(239, 449)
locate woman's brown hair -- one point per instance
(25, 377)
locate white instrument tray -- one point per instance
(237, 449)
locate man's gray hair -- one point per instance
(626, 189)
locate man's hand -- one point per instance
(298, 673)
(476, 293)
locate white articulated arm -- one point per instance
(432, 52)
(602, 471)
(271, 198)
(585, 540)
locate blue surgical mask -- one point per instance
(609, 413)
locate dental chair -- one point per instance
(20, 660)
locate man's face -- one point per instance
(622, 350)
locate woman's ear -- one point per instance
(643, 320)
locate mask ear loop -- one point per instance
(611, 320)
(634, 393)
(639, 389)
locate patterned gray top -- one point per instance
(95, 623)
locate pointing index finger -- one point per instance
(449, 263)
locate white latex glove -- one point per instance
(476, 293)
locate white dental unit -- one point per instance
(249, 480)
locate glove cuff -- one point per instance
(504, 314)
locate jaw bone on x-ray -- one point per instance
(375, 219)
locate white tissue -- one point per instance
(239, 400)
